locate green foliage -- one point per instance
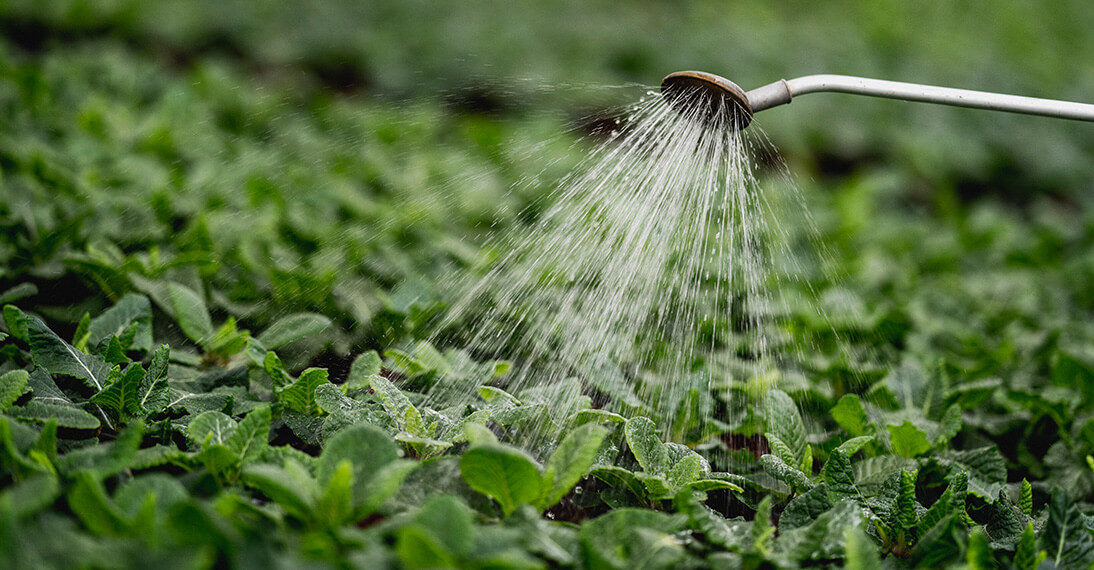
(154, 213)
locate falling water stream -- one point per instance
(656, 271)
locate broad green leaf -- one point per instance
(17, 322)
(978, 555)
(951, 502)
(13, 384)
(1026, 555)
(417, 548)
(59, 357)
(447, 520)
(250, 438)
(366, 365)
(154, 395)
(782, 419)
(874, 471)
(706, 485)
(948, 426)
(822, 539)
(908, 440)
(942, 544)
(570, 461)
(88, 499)
(506, 474)
(291, 486)
(368, 449)
(190, 312)
(292, 328)
(633, 538)
(164, 489)
(300, 395)
(479, 434)
(839, 477)
(861, 553)
(781, 450)
(596, 416)
(1069, 543)
(210, 427)
(276, 371)
(618, 477)
(646, 445)
(851, 415)
(985, 466)
(130, 310)
(66, 416)
(19, 291)
(688, 469)
(32, 494)
(122, 392)
(778, 469)
(805, 508)
(763, 532)
(395, 402)
(105, 459)
(335, 504)
(492, 394)
(851, 446)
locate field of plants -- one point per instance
(228, 228)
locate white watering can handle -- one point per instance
(782, 91)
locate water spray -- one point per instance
(686, 89)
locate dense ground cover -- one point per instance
(214, 273)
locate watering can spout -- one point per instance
(683, 88)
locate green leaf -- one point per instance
(986, 467)
(1026, 555)
(596, 416)
(942, 544)
(122, 392)
(646, 445)
(32, 494)
(190, 312)
(292, 328)
(13, 384)
(851, 446)
(418, 549)
(506, 474)
(778, 469)
(210, 427)
(447, 521)
(153, 393)
(948, 426)
(839, 477)
(780, 449)
(1065, 537)
(291, 486)
(335, 504)
(394, 401)
(105, 459)
(805, 508)
(377, 470)
(66, 416)
(273, 367)
(822, 539)
(763, 532)
(633, 538)
(908, 440)
(860, 551)
(951, 502)
(568, 464)
(687, 470)
(250, 438)
(366, 365)
(620, 478)
(978, 555)
(782, 419)
(19, 291)
(87, 498)
(1025, 498)
(903, 513)
(130, 310)
(300, 395)
(59, 357)
(17, 322)
(851, 416)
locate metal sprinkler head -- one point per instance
(707, 96)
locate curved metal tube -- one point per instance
(782, 91)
